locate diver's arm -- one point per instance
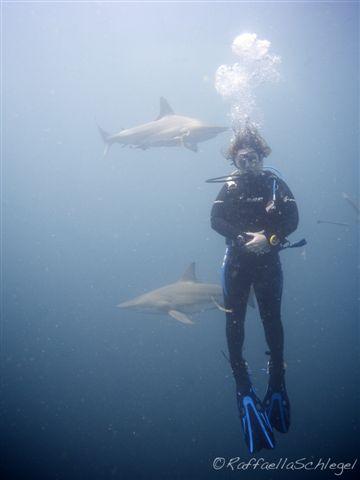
(224, 228)
(285, 217)
(219, 218)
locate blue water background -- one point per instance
(93, 392)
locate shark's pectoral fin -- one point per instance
(191, 146)
(181, 317)
(220, 307)
(183, 140)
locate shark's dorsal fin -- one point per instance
(189, 274)
(165, 109)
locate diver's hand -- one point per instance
(258, 244)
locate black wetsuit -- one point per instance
(239, 208)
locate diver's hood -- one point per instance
(248, 138)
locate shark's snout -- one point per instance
(127, 304)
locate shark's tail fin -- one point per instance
(106, 138)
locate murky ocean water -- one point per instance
(90, 391)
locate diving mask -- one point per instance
(248, 160)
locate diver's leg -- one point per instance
(236, 288)
(237, 278)
(268, 290)
(268, 284)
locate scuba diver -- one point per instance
(255, 211)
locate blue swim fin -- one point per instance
(277, 406)
(257, 429)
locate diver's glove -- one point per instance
(258, 244)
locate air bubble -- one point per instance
(237, 83)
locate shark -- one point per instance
(167, 130)
(180, 299)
